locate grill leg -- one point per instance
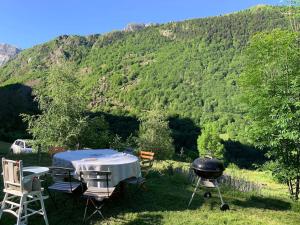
(198, 182)
(217, 186)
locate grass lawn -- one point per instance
(166, 199)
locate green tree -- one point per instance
(270, 87)
(209, 142)
(62, 119)
(95, 134)
(155, 135)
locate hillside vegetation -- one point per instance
(189, 67)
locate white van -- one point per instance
(21, 146)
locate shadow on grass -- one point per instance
(164, 193)
(146, 219)
(263, 203)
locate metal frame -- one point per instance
(95, 176)
(214, 181)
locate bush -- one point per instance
(118, 143)
(155, 135)
(209, 142)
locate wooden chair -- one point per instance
(19, 194)
(63, 182)
(146, 160)
(54, 150)
(96, 194)
(146, 163)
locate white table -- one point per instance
(36, 170)
(121, 165)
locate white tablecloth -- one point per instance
(120, 164)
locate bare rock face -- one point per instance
(134, 27)
(138, 26)
(7, 52)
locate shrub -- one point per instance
(209, 142)
(155, 135)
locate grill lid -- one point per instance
(207, 164)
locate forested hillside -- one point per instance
(189, 68)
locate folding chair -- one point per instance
(63, 182)
(96, 194)
(19, 194)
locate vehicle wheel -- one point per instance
(224, 207)
(207, 195)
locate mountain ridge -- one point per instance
(189, 67)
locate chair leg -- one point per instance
(143, 186)
(3, 204)
(98, 209)
(20, 211)
(25, 209)
(85, 210)
(94, 214)
(43, 208)
(52, 198)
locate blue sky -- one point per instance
(25, 23)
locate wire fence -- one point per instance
(236, 183)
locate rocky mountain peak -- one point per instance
(7, 52)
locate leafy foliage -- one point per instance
(209, 142)
(62, 107)
(155, 135)
(270, 85)
(124, 145)
(95, 134)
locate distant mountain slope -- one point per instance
(7, 52)
(189, 67)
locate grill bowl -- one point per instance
(208, 168)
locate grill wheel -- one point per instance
(224, 207)
(207, 195)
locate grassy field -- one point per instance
(166, 199)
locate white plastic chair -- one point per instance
(19, 193)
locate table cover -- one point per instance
(121, 165)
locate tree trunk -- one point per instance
(39, 154)
(297, 188)
(297, 178)
(290, 185)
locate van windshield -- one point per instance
(28, 145)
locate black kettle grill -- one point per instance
(208, 170)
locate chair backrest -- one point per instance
(61, 173)
(54, 150)
(146, 155)
(12, 174)
(96, 178)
